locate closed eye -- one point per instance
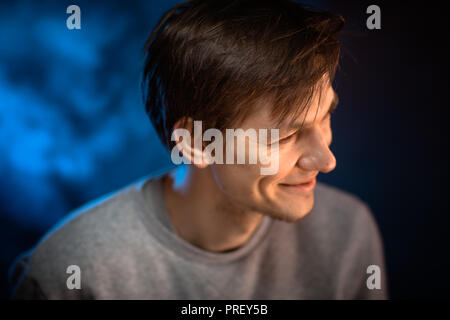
(289, 137)
(328, 116)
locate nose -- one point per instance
(317, 155)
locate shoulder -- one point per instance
(94, 225)
(90, 237)
(334, 197)
(342, 208)
(340, 222)
(352, 237)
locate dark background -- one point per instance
(73, 126)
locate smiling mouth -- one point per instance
(300, 187)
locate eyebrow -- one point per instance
(333, 105)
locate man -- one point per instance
(212, 230)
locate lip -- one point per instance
(307, 186)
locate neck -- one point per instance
(202, 214)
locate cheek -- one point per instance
(245, 180)
(288, 158)
(234, 178)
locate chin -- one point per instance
(288, 215)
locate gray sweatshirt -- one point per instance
(123, 246)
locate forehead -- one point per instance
(316, 110)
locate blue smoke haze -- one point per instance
(72, 122)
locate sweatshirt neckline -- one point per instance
(157, 220)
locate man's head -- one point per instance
(249, 64)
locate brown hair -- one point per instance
(211, 60)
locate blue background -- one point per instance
(73, 125)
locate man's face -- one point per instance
(303, 153)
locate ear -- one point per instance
(189, 141)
